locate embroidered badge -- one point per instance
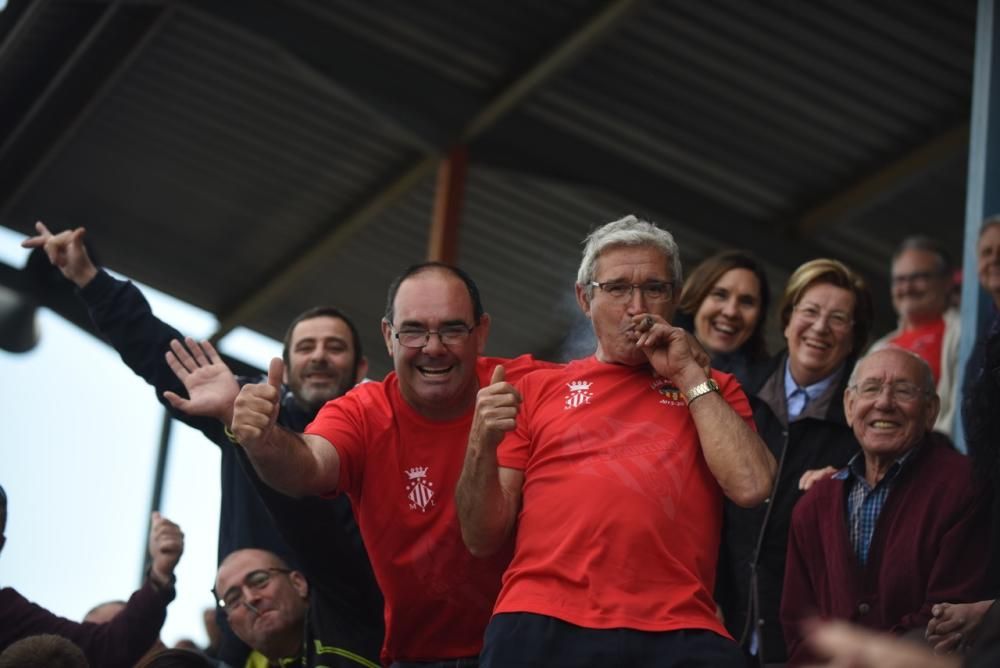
(671, 395)
(579, 394)
(419, 490)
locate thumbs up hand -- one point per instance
(256, 408)
(497, 406)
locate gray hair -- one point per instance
(928, 245)
(926, 375)
(627, 231)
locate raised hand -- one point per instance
(210, 384)
(670, 351)
(166, 545)
(256, 408)
(65, 251)
(497, 405)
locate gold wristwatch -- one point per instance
(701, 390)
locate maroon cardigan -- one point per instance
(118, 643)
(930, 545)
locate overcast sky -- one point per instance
(77, 459)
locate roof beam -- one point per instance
(283, 275)
(446, 220)
(886, 178)
(73, 93)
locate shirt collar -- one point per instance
(856, 467)
(814, 391)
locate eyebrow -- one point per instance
(421, 325)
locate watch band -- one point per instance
(701, 390)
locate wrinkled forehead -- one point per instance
(891, 364)
(613, 256)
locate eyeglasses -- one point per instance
(901, 390)
(254, 580)
(450, 335)
(837, 320)
(652, 291)
(915, 277)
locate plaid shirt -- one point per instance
(864, 503)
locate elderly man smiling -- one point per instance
(900, 528)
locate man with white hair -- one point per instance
(901, 528)
(611, 472)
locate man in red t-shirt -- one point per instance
(396, 448)
(921, 294)
(611, 473)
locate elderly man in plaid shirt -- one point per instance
(902, 527)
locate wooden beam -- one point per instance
(447, 217)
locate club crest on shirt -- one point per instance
(579, 394)
(419, 490)
(671, 395)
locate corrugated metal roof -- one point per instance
(210, 147)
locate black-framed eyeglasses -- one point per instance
(418, 337)
(652, 291)
(254, 580)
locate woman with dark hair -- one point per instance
(724, 304)
(796, 397)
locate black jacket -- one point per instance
(754, 540)
(317, 536)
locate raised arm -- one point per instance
(488, 496)
(65, 251)
(294, 464)
(735, 454)
(124, 318)
(121, 642)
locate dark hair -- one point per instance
(413, 270)
(177, 658)
(43, 651)
(323, 312)
(704, 277)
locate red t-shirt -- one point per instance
(926, 341)
(621, 516)
(400, 470)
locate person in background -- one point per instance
(900, 528)
(826, 312)
(105, 612)
(123, 640)
(928, 326)
(323, 360)
(956, 625)
(724, 303)
(43, 651)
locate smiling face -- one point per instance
(321, 361)
(727, 316)
(274, 626)
(988, 261)
(439, 381)
(816, 349)
(612, 319)
(885, 425)
(919, 286)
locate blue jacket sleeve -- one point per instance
(124, 318)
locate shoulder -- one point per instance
(515, 368)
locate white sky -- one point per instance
(77, 458)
